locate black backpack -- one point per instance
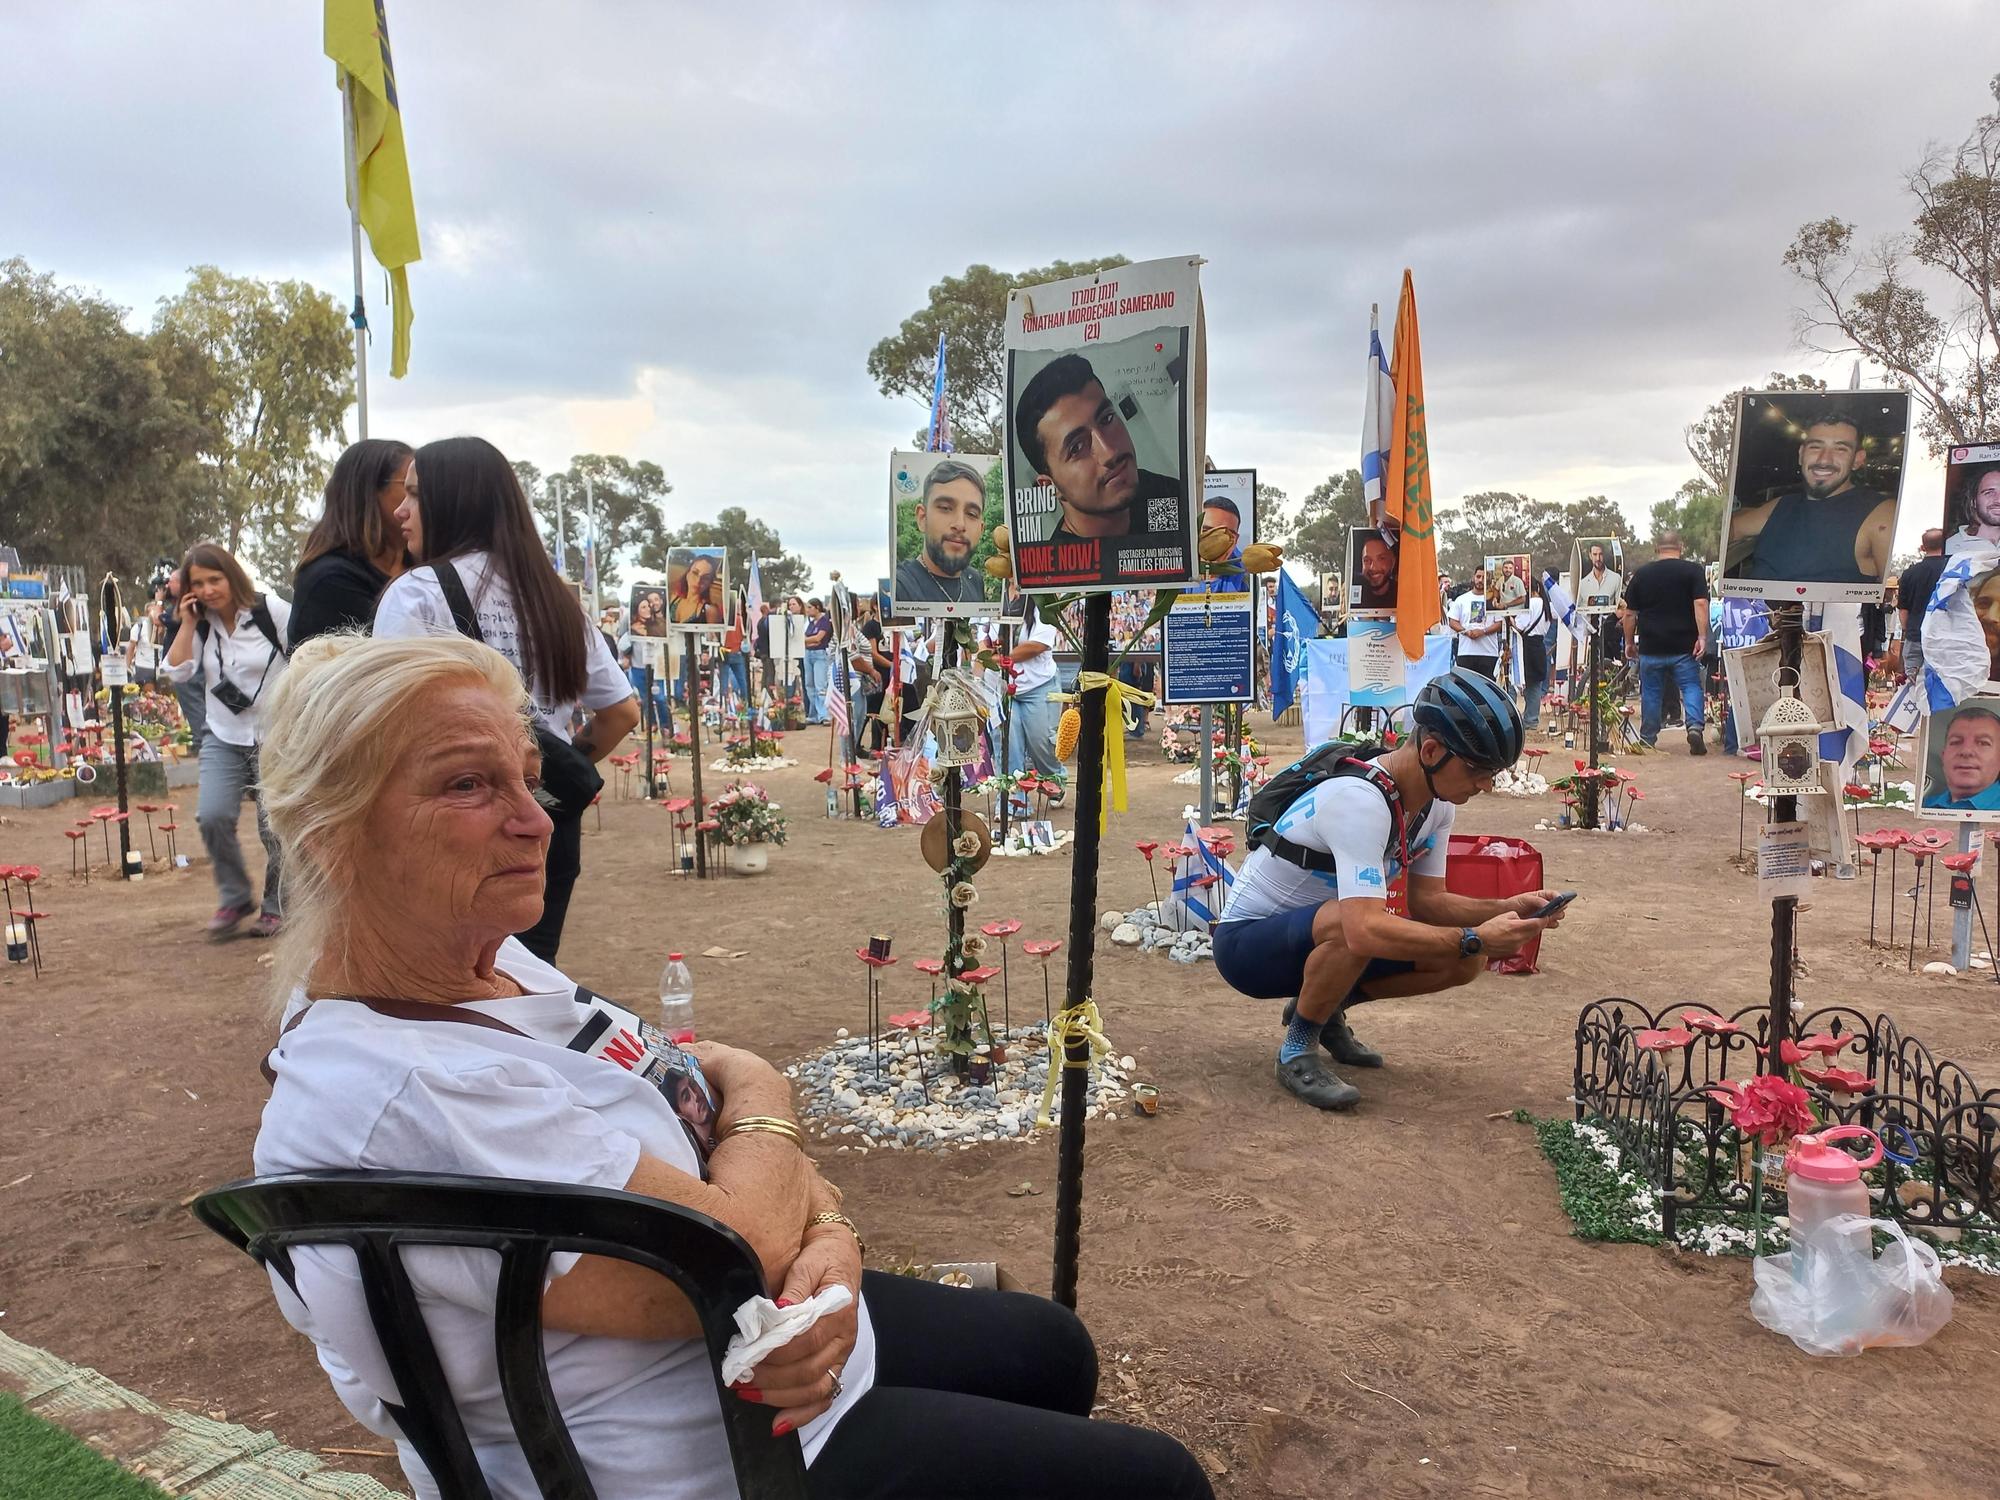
(1322, 763)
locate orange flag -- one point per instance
(1407, 494)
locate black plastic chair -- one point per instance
(377, 1214)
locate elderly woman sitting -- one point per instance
(399, 776)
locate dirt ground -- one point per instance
(1387, 1303)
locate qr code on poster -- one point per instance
(1163, 514)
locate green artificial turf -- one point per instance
(40, 1461)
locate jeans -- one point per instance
(1531, 705)
(816, 680)
(1685, 670)
(987, 1396)
(736, 676)
(227, 772)
(663, 711)
(1031, 732)
(1913, 659)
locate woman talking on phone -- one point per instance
(232, 640)
(483, 572)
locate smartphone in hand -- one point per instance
(1552, 907)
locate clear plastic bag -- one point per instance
(1841, 1298)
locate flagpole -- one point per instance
(562, 557)
(590, 540)
(360, 313)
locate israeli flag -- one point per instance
(1841, 624)
(1956, 659)
(1378, 421)
(1561, 605)
(1201, 902)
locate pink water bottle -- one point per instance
(1821, 1183)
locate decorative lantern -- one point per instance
(1789, 736)
(956, 721)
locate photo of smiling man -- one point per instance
(1101, 405)
(1813, 498)
(941, 510)
(1962, 762)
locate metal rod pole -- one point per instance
(359, 315)
(1207, 763)
(648, 716)
(1082, 948)
(954, 915)
(1790, 624)
(1590, 788)
(694, 752)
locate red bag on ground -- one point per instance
(1491, 868)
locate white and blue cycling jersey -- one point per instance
(1344, 816)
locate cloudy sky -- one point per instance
(675, 231)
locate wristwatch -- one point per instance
(1468, 942)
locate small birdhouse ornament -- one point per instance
(955, 719)
(1789, 736)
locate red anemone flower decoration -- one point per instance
(1790, 1053)
(28, 874)
(1004, 929)
(1839, 1080)
(1146, 847)
(1709, 1024)
(928, 965)
(1825, 1043)
(874, 961)
(823, 776)
(910, 1020)
(1767, 1107)
(981, 974)
(1857, 791)
(1651, 1040)
(1041, 947)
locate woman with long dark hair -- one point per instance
(467, 523)
(356, 548)
(231, 642)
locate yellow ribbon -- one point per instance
(1079, 1022)
(1115, 695)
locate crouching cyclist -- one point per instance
(1311, 917)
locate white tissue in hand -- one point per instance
(762, 1325)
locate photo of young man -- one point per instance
(1371, 569)
(1813, 512)
(939, 523)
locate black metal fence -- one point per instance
(1940, 1131)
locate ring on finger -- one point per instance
(833, 1377)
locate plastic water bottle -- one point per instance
(677, 1000)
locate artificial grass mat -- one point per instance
(40, 1461)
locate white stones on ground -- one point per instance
(1520, 784)
(1111, 919)
(755, 763)
(1940, 970)
(1125, 935)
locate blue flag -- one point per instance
(1298, 622)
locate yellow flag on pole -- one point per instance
(1406, 498)
(357, 39)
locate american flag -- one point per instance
(836, 697)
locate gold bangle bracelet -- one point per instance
(778, 1120)
(768, 1127)
(829, 1217)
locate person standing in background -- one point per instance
(465, 518)
(819, 632)
(1031, 717)
(1533, 629)
(1477, 631)
(190, 694)
(1913, 597)
(230, 647)
(356, 548)
(1666, 623)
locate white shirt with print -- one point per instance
(358, 1090)
(1344, 816)
(1469, 609)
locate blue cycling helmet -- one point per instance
(1472, 718)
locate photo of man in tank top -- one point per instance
(1828, 533)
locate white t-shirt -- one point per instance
(245, 655)
(1344, 816)
(1469, 609)
(415, 605)
(360, 1090)
(1040, 669)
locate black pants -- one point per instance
(565, 863)
(985, 1396)
(1483, 665)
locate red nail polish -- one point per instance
(780, 1427)
(749, 1393)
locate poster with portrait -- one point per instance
(698, 587)
(942, 510)
(647, 615)
(1229, 500)
(1972, 493)
(1371, 571)
(1597, 563)
(1104, 428)
(1814, 483)
(1509, 585)
(1961, 761)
